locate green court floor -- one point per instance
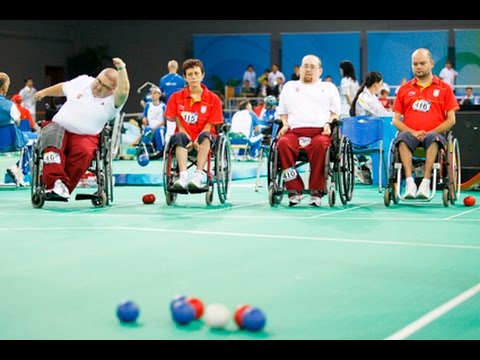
(361, 271)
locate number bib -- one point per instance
(304, 141)
(421, 105)
(289, 174)
(189, 117)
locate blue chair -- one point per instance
(24, 125)
(366, 136)
(12, 140)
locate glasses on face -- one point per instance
(310, 67)
(103, 84)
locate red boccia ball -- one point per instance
(238, 316)
(197, 305)
(469, 200)
(148, 198)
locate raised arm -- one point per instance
(123, 87)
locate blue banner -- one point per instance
(331, 48)
(467, 57)
(390, 53)
(227, 56)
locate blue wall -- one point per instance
(332, 48)
(391, 52)
(227, 56)
(467, 57)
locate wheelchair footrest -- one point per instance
(86, 197)
(177, 191)
(51, 196)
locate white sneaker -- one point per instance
(17, 175)
(60, 189)
(410, 190)
(295, 199)
(181, 183)
(315, 201)
(196, 182)
(423, 190)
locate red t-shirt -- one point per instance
(195, 115)
(25, 115)
(425, 108)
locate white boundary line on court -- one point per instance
(461, 214)
(434, 314)
(221, 233)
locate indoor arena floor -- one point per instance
(361, 271)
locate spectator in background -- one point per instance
(296, 73)
(469, 98)
(448, 74)
(251, 76)
(153, 119)
(247, 89)
(28, 98)
(348, 87)
(365, 101)
(273, 75)
(383, 98)
(146, 99)
(278, 88)
(264, 76)
(328, 78)
(172, 81)
(25, 114)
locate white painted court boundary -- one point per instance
(434, 314)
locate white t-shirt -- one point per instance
(28, 99)
(448, 75)
(347, 86)
(155, 114)
(308, 105)
(83, 113)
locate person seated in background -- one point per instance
(469, 98)
(247, 90)
(384, 100)
(245, 129)
(153, 122)
(267, 116)
(195, 121)
(365, 101)
(423, 111)
(25, 114)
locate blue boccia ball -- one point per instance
(127, 311)
(254, 319)
(178, 298)
(182, 312)
(143, 159)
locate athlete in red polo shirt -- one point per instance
(428, 106)
(196, 110)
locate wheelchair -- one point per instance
(339, 169)
(101, 166)
(221, 173)
(446, 173)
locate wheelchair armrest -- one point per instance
(224, 128)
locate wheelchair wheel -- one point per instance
(345, 173)
(100, 201)
(445, 196)
(108, 177)
(331, 196)
(170, 198)
(209, 195)
(275, 180)
(387, 196)
(223, 172)
(454, 173)
(169, 171)
(36, 186)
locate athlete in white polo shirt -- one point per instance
(306, 107)
(70, 140)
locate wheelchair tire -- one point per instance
(331, 197)
(209, 196)
(100, 201)
(38, 199)
(386, 196)
(170, 198)
(272, 199)
(446, 196)
(223, 169)
(454, 173)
